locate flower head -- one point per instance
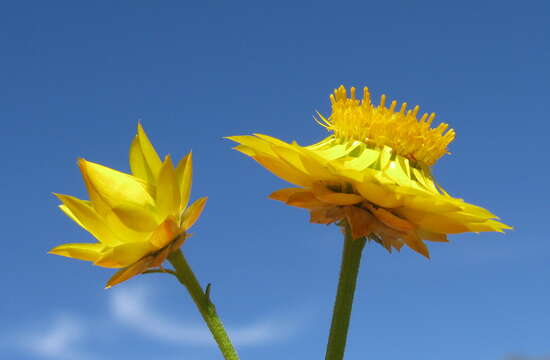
(373, 172)
(138, 219)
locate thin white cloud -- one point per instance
(59, 340)
(131, 307)
(65, 336)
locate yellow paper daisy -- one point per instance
(374, 172)
(138, 219)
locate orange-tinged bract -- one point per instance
(373, 172)
(138, 219)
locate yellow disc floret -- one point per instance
(401, 130)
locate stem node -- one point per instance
(202, 299)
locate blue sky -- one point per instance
(77, 76)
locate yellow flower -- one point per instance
(138, 219)
(374, 172)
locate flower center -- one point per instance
(413, 138)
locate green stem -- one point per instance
(349, 269)
(186, 276)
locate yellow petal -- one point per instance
(98, 203)
(138, 165)
(89, 219)
(323, 193)
(184, 173)
(256, 144)
(397, 174)
(272, 140)
(363, 161)
(125, 254)
(106, 259)
(349, 175)
(80, 251)
(168, 191)
(136, 217)
(149, 153)
(315, 165)
(405, 165)
(475, 210)
(333, 152)
(323, 144)
(116, 187)
(247, 150)
(129, 272)
(125, 233)
(433, 203)
(488, 225)
(192, 213)
(379, 195)
(423, 177)
(70, 214)
(284, 170)
(437, 223)
(291, 157)
(466, 217)
(164, 233)
(385, 157)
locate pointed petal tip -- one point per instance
(61, 197)
(233, 138)
(55, 250)
(81, 163)
(426, 254)
(168, 159)
(192, 213)
(60, 252)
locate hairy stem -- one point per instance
(186, 276)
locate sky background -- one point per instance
(76, 77)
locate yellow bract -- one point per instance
(373, 172)
(138, 219)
